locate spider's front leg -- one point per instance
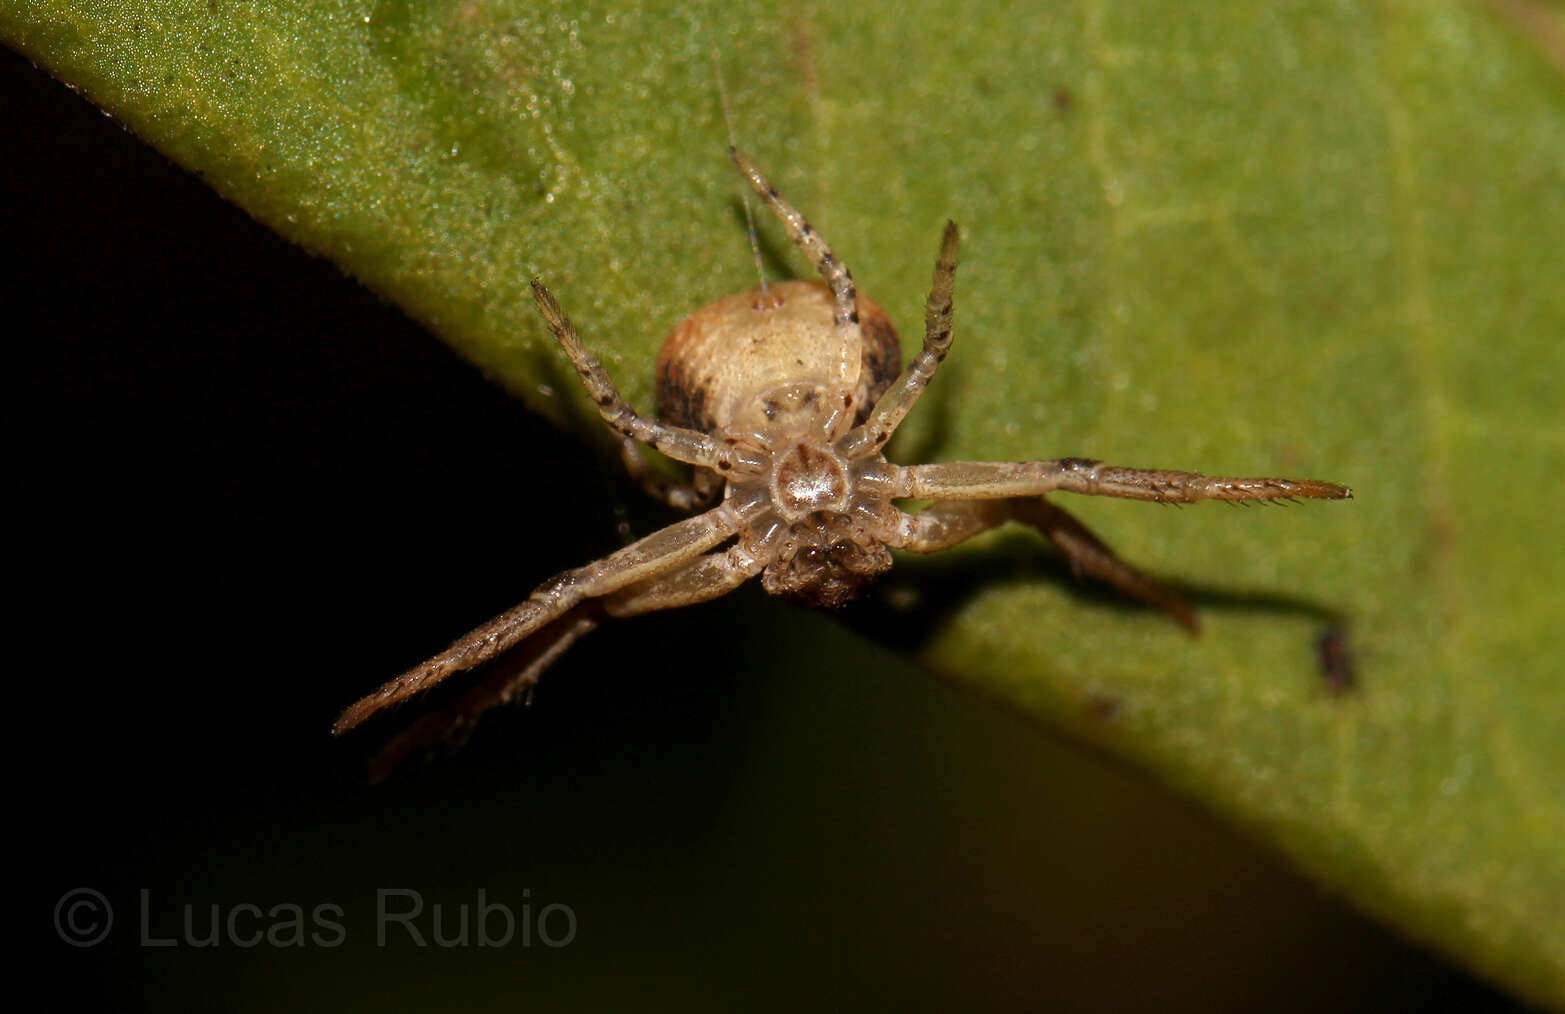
(943, 525)
(658, 554)
(710, 577)
(995, 480)
(707, 578)
(514, 674)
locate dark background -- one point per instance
(243, 491)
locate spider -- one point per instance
(782, 398)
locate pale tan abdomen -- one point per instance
(718, 357)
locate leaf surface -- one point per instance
(1308, 239)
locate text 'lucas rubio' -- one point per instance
(401, 918)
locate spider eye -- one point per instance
(812, 554)
(839, 551)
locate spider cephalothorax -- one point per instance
(782, 399)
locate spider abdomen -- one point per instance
(718, 362)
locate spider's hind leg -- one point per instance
(905, 391)
(838, 278)
(845, 298)
(681, 444)
(697, 494)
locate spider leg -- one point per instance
(662, 551)
(1091, 556)
(707, 578)
(836, 274)
(685, 497)
(710, 577)
(838, 278)
(904, 392)
(681, 444)
(993, 480)
(945, 524)
(517, 672)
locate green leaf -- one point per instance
(1312, 239)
